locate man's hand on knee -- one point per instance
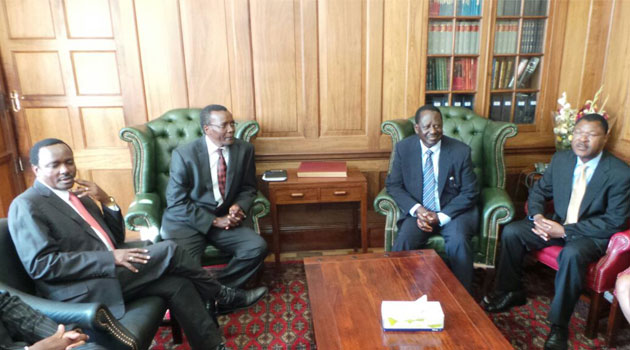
(128, 257)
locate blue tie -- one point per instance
(428, 183)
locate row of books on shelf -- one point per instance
(524, 111)
(513, 8)
(503, 76)
(441, 37)
(447, 7)
(438, 70)
(505, 37)
(532, 36)
(459, 100)
(464, 73)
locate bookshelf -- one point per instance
(517, 56)
(453, 46)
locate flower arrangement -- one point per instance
(565, 117)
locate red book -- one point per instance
(322, 169)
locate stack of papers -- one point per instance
(418, 315)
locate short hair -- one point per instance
(204, 116)
(34, 153)
(595, 117)
(431, 108)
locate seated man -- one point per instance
(21, 325)
(590, 189)
(433, 183)
(75, 252)
(212, 185)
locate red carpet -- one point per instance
(283, 321)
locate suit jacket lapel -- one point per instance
(444, 165)
(235, 155)
(203, 159)
(416, 168)
(599, 178)
(565, 187)
(65, 209)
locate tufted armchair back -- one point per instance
(481, 134)
(161, 136)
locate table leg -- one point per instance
(364, 230)
(355, 228)
(276, 232)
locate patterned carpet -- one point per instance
(283, 321)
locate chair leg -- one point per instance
(593, 315)
(176, 330)
(613, 323)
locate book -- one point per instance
(322, 169)
(519, 71)
(529, 70)
(419, 315)
(275, 175)
(496, 101)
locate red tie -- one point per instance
(221, 173)
(76, 202)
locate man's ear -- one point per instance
(34, 168)
(416, 128)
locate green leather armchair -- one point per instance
(486, 139)
(153, 144)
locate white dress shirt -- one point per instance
(442, 218)
(214, 166)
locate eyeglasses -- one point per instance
(224, 126)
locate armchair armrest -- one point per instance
(616, 260)
(495, 135)
(141, 138)
(260, 208)
(384, 204)
(496, 208)
(246, 130)
(145, 214)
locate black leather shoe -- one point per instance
(220, 347)
(504, 301)
(558, 338)
(231, 299)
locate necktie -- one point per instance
(221, 172)
(76, 202)
(576, 196)
(428, 183)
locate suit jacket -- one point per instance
(191, 206)
(605, 207)
(457, 183)
(61, 252)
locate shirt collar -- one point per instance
(592, 164)
(434, 149)
(63, 194)
(212, 148)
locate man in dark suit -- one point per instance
(76, 252)
(590, 189)
(433, 183)
(212, 185)
(20, 326)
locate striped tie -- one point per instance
(428, 183)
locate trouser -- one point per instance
(517, 240)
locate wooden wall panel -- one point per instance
(22, 14)
(207, 64)
(402, 56)
(159, 36)
(341, 48)
(39, 73)
(276, 67)
(96, 73)
(88, 19)
(49, 122)
(101, 126)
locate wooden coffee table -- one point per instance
(345, 293)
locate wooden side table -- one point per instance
(302, 190)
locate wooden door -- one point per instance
(10, 166)
(75, 66)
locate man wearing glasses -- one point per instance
(212, 185)
(590, 189)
